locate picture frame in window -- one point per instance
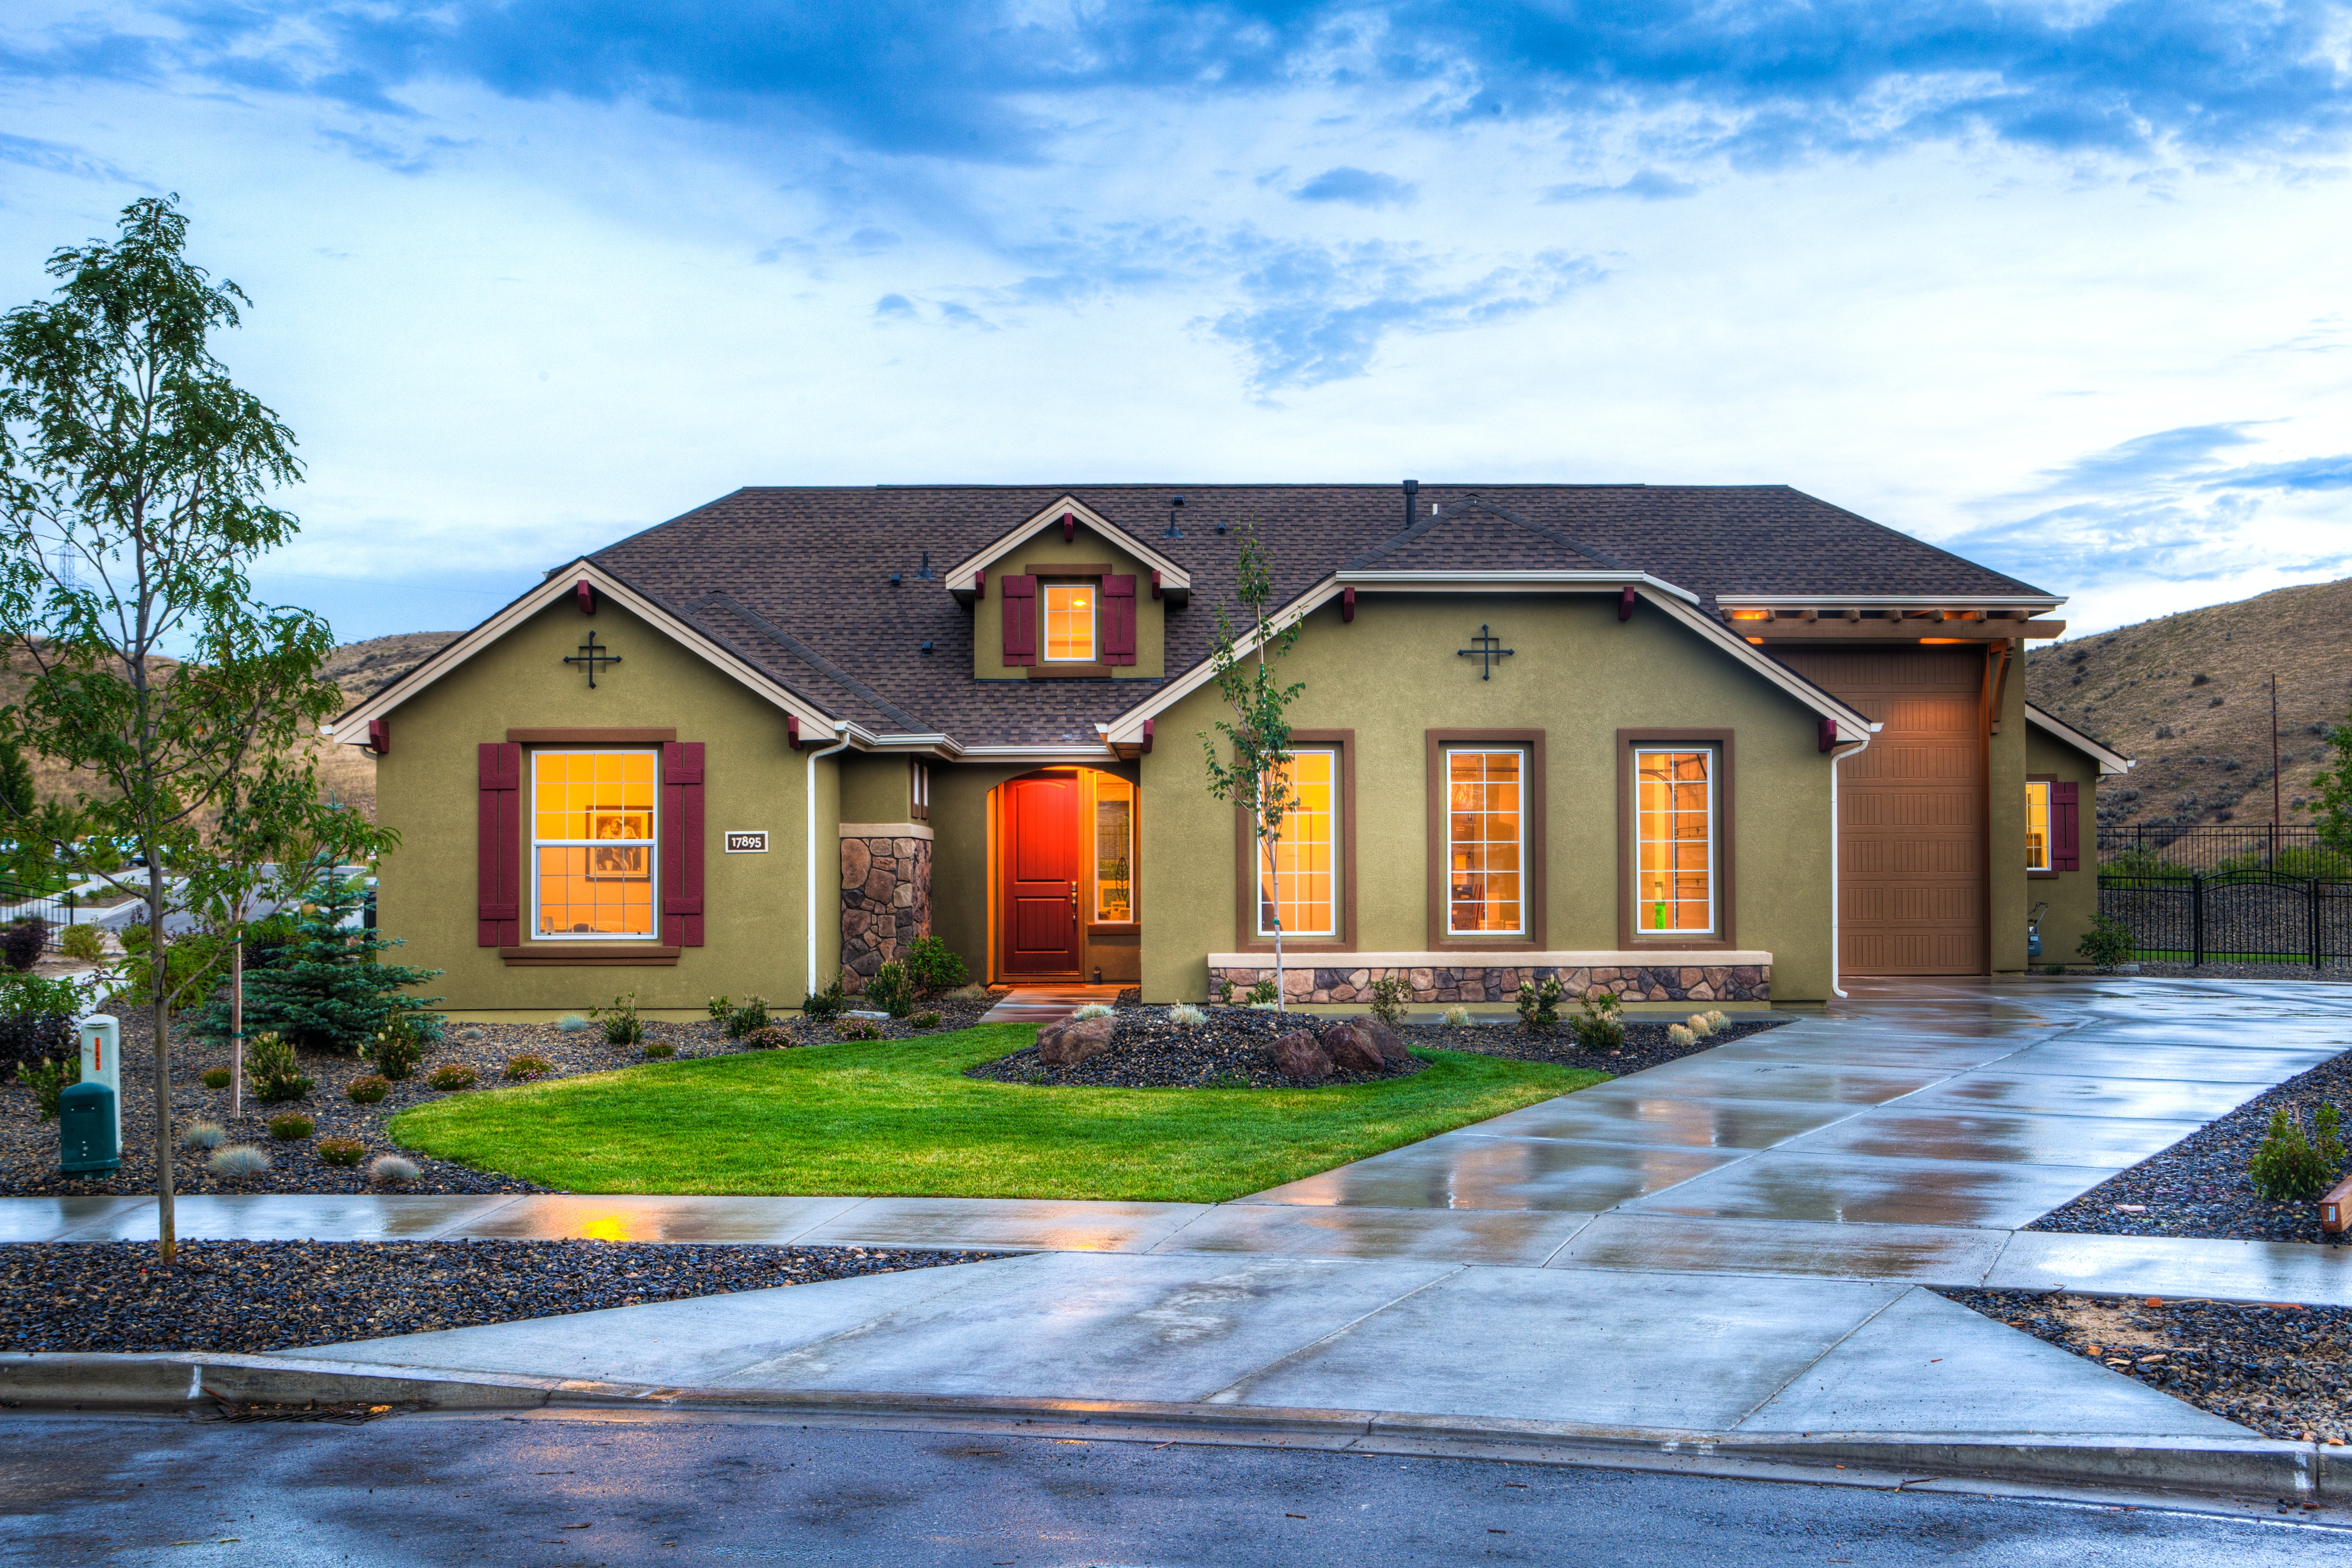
(620, 862)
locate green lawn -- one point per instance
(900, 1117)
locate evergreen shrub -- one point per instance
(2291, 1168)
(286, 1129)
(218, 1078)
(934, 966)
(892, 990)
(1601, 1026)
(327, 988)
(830, 1002)
(1539, 1006)
(2107, 943)
(273, 1069)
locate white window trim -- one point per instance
(1257, 853)
(653, 845)
(1094, 799)
(1714, 840)
(2049, 827)
(1045, 622)
(1520, 930)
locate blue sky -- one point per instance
(2061, 286)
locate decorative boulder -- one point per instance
(1352, 1049)
(1390, 1043)
(1065, 1044)
(1298, 1054)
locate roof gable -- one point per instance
(1175, 581)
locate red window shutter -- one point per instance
(1119, 620)
(681, 844)
(498, 844)
(1019, 596)
(2066, 840)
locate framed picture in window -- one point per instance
(622, 861)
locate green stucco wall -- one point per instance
(876, 789)
(426, 787)
(2005, 755)
(1042, 552)
(1578, 674)
(2072, 896)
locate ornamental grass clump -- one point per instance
(341, 1151)
(271, 1067)
(893, 991)
(203, 1135)
(1184, 1015)
(239, 1161)
(1457, 1017)
(392, 1170)
(1389, 996)
(1092, 1010)
(452, 1076)
(2291, 1168)
(1600, 1028)
(289, 1129)
(1680, 1037)
(528, 1066)
(570, 1024)
(217, 1078)
(1539, 1006)
(1698, 1026)
(370, 1090)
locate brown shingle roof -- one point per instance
(797, 580)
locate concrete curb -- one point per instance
(164, 1383)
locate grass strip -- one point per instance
(899, 1118)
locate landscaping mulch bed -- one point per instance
(28, 1145)
(1646, 1045)
(2283, 1369)
(2336, 972)
(248, 1297)
(1149, 1050)
(2199, 1187)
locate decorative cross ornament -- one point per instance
(1486, 647)
(592, 656)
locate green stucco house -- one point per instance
(1720, 744)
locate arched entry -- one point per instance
(1064, 877)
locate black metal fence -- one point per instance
(20, 903)
(2143, 848)
(2232, 916)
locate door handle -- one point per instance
(1074, 903)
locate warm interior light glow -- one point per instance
(1751, 615)
(1944, 640)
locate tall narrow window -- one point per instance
(2037, 824)
(1674, 878)
(593, 844)
(1114, 848)
(1070, 623)
(1302, 882)
(918, 790)
(1485, 842)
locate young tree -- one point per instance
(133, 475)
(1258, 778)
(2335, 787)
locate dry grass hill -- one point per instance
(2188, 696)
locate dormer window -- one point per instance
(1070, 622)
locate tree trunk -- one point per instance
(159, 995)
(237, 1030)
(1274, 871)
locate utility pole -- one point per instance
(2275, 818)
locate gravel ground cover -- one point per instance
(1645, 1046)
(249, 1297)
(2339, 973)
(28, 1145)
(2199, 1187)
(2283, 1369)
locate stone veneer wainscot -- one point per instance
(1716, 976)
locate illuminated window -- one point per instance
(2037, 824)
(1114, 848)
(593, 843)
(1674, 878)
(1070, 623)
(1485, 842)
(1302, 875)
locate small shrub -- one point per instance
(398, 1048)
(1222, 994)
(1680, 1037)
(934, 966)
(21, 943)
(239, 1161)
(926, 1020)
(392, 1170)
(83, 943)
(1718, 1020)
(622, 1025)
(286, 1129)
(1600, 1028)
(1263, 994)
(341, 1151)
(2289, 1167)
(830, 1002)
(1539, 1006)
(271, 1066)
(1457, 1017)
(659, 1050)
(527, 1066)
(2053, 969)
(1698, 1025)
(742, 1021)
(570, 1024)
(217, 1078)
(1184, 1015)
(203, 1135)
(2107, 943)
(49, 1078)
(971, 996)
(1390, 996)
(1092, 1010)
(370, 1090)
(719, 1007)
(859, 1029)
(774, 1037)
(892, 990)
(452, 1076)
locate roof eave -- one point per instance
(2112, 762)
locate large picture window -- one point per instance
(2037, 824)
(1070, 622)
(1675, 840)
(1485, 842)
(593, 843)
(1304, 877)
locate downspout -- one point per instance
(1837, 887)
(841, 745)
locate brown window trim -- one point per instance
(1630, 937)
(1245, 937)
(1062, 671)
(2054, 874)
(589, 737)
(546, 955)
(1532, 840)
(1059, 572)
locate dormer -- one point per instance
(1068, 594)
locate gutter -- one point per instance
(1837, 889)
(841, 728)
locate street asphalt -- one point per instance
(579, 1490)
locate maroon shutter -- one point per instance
(681, 844)
(2065, 834)
(1119, 620)
(498, 844)
(1019, 597)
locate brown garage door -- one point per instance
(1911, 861)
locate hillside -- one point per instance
(2188, 696)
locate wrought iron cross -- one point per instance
(1486, 647)
(592, 656)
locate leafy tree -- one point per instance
(135, 478)
(1258, 779)
(16, 787)
(2334, 786)
(329, 989)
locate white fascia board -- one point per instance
(557, 585)
(2111, 764)
(1172, 575)
(1889, 601)
(1088, 752)
(1851, 724)
(1506, 581)
(945, 747)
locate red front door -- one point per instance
(1040, 861)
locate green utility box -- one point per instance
(87, 1141)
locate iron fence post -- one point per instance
(2197, 921)
(2315, 960)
